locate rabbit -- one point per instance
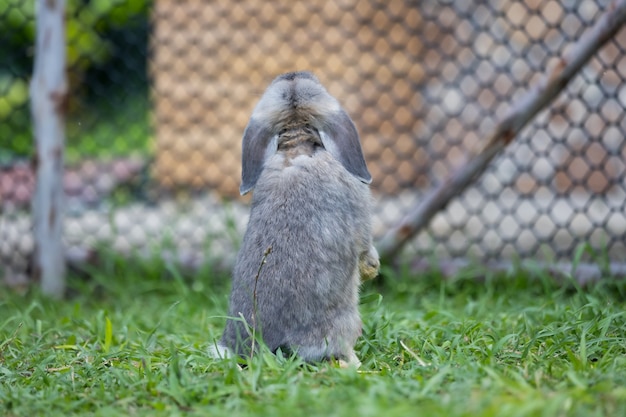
(308, 242)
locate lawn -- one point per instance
(132, 340)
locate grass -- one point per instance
(133, 341)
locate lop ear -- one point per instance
(341, 139)
(258, 144)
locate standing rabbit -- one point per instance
(308, 242)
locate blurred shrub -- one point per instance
(100, 35)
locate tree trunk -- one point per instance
(48, 93)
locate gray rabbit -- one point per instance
(308, 242)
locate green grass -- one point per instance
(133, 341)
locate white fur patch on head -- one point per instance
(312, 94)
(272, 102)
(299, 91)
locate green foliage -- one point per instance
(134, 339)
(86, 23)
(95, 32)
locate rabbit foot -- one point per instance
(219, 351)
(369, 264)
(351, 362)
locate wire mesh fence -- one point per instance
(161, 93)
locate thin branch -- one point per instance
(254, 297)
(520, 113)
(413, 354)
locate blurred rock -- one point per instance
(88, 183)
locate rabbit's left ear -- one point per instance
(340, 138)
(258, 145)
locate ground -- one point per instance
(133, 340)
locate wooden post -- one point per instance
(49, 94)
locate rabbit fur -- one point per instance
(308, 242)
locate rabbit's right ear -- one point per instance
(258, 144)
(341, 140)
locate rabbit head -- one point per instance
(299, 99)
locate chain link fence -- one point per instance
(162, 91)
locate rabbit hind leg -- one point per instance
(321, 353)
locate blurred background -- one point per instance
(161, 92)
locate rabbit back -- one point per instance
(315, 217)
